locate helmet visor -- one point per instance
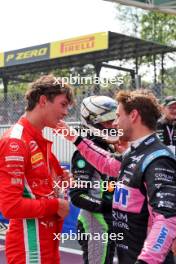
(105, 117)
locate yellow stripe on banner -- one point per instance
(1, 59)
(83, 44)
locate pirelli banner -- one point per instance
(62, 48)
(84, 44)
(1, 60)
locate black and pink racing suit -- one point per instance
(144, 203)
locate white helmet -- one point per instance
(97, 109)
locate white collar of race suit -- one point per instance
(135, 144)
(138, 141)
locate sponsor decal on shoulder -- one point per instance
(149, 141)
(33, 145)
(137, 158)
(36, 157)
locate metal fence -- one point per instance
(11, 108)
(12, 105)
(61, 148)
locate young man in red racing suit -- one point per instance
(144, 199)
(28, 170)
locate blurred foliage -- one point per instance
(159, 27)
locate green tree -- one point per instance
(130, 19)
(158, 27)
(170, 81)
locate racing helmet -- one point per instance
(97, 109)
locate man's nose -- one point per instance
(115, 123)
(65, 111)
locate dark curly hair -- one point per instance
(145, 102)
(47, 85)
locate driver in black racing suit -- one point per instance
(144, 204)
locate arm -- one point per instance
(80, 195)
(96, 156)
(160, 179)
(102, 160)
(13, 204)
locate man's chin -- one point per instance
(124, 138)
(52, 125)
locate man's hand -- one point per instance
(121, 146)
(68, 177)
(111, 140)
(67, 132)
(63, 208)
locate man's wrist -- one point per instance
(78, 140)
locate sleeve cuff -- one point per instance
(78, 140)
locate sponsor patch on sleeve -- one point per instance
(36, 157)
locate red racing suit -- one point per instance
(28, 197)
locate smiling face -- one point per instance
(54, 111)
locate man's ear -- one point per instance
(42, 100)
(134, 115)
